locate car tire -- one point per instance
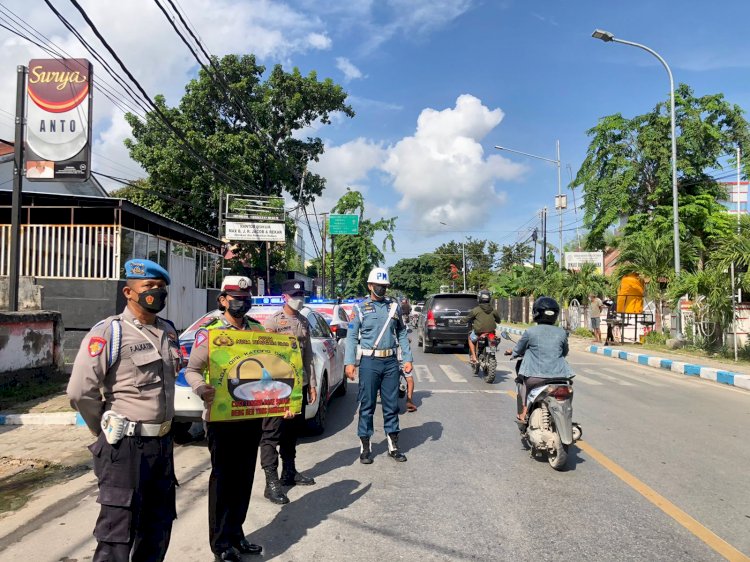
(428, 347)
(317, 425)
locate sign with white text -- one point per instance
(575, 260)
(58, 120)
(255, 231)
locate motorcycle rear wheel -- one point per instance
(558, 455)
(489, 377)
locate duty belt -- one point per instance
(148, 429)
(378, 352)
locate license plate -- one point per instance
(456, 321)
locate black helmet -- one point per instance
(484, 297)
(545, 310)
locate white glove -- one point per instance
(113, 426)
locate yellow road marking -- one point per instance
(703, 533)
(462, 356)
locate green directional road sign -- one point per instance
(343, 224)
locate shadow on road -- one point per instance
(294, 520)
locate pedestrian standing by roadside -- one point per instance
(122, 384)
(283, 432)
(595, 312)
(378, 328)
(233, 444)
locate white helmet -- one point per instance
(379, 276)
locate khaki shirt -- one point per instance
(297, 325)
(139, 385)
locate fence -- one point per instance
(64, 251)
(514, 309)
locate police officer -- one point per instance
(379, 328)
(122, 384)
(283, 433)
(233, 444)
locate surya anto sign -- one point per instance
(58, 120)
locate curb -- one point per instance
(55, 418)
(514, 331)
(689, 369)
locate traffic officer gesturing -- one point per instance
(283, 433)
(233, 444)
(377, 326)
(123, 386)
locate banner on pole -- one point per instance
(255, 231)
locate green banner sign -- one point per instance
(255, 374)
(343, 224)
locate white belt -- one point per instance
(378, 352)
(148, 429)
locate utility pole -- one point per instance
(14, 273)
(333, 267)
(544, 239)
(560, 205)
(734, 294)
(323, 258)
(268, 268)
(463, 251)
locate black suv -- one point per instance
(443, 320)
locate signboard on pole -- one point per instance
(254, 208)
(343, 224)
(575, 260)
(58, 120)
(255, 231)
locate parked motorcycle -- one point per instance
(486, 364)
(549, 428)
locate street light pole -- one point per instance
(559, 189)
(607, 37)
(463, 251)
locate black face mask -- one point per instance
(153, 300)
(238, 308)
(379, 290)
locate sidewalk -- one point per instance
(705, 368)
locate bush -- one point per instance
(583, 333)
(656, 338)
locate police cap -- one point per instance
(145, 269)
(236, 286)
(293, 287)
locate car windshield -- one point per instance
(464, 303)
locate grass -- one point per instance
(13, 395)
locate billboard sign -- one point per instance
(343, 224)
(58, 120)
(254, 208)
(255, 231)
(575, 260)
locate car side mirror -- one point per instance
(341, 331)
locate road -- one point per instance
(659, 475)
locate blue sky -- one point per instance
(435, 84)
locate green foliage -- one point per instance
(514, 254)
(583, 333)
(415, 277)
(356, 255)
(580, 284)
(655, 338)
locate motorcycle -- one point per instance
(486, 357)
(549, 428)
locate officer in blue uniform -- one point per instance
(378, 329)
(122, 384)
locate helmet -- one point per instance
(379, 276)
(484, 297)
(545, 310)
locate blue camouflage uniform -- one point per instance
(378, 370)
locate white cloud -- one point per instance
(350, 71)
(441, 172)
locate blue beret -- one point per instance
(145, 269)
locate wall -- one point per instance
(83, 302)
(29, 294)
(31, 346)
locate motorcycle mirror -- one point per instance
(504, 335)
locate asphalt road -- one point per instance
(659, 476)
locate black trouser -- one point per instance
(234, 451)
(137, 497)
(530, 383)
(282, 433)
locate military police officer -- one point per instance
(122, 384)
(233, 444)
(378, 328)
(283, 433)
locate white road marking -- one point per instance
(451, 372)
(585, 380)
(643, 378)
(423, 373)
(610, 378)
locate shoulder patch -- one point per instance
(96, 346)
(200, 337)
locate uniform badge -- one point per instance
(96, 346)
(149, 299)
(200, 338)
(138, 268)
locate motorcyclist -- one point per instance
(405, 310)
(544, 348)
(483, 319)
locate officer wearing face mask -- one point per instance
(283, 432)
(233, 444)
(122, 384)
(379, 329)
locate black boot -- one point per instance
(290, 476)
(393, 451)
(273, 489)
(364, 451)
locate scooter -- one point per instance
(486, 357)
(549, 428)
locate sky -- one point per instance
(435, 85)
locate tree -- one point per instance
(415, 277)
(356, 255)
(627, 170)
(514, 254)
(140, 192)
(244, 130)
(481, 260)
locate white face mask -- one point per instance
(295, 303)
